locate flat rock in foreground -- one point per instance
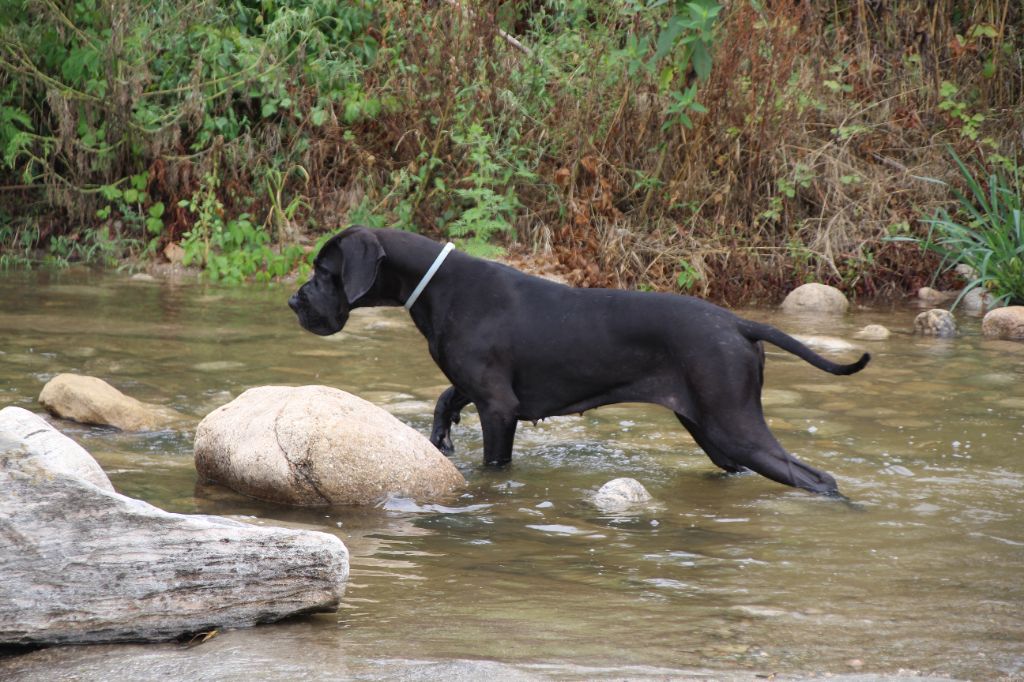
(83, 564)
(315, 446)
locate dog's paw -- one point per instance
(444, 444)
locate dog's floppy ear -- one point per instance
(361, 257)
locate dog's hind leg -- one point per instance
(756, 448)
(718, 457)
(749, 443)
(446, 413)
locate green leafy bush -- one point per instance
(233, 250)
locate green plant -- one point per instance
(688, 276)
(233, 250)
(786, 187)
(958, 111)
(133, 206)
(16, 243)
(986, 233)
(489, 202)
(281, 216)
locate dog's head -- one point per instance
(344, 271)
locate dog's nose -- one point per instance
(293, 302)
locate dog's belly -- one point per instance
(560, 391)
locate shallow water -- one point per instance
(922, 571)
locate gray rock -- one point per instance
(815, 298)
(935, 322)
(1004, 323)
(315, 445)
(83, 564)
(621, 493)
(90, 400)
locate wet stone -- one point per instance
(621, 493)
(935, 322)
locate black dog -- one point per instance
(523, 348)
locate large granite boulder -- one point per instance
(314, 446)
(90, 400)
(815, 298)
(1004, 323)
(82, 564)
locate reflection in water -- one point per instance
(721, 573)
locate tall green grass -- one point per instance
(985, 233)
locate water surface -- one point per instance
(520, 574)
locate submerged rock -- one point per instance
(873, 332)
(1004, 323)
(826, 343)
(83, 564)
(90, 400)
(621, 493)
(315, 445)
(935, 322)
(815, 298)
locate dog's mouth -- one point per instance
(312, 320)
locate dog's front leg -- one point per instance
(446, 413)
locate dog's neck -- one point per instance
(407, 259)
(428, 275)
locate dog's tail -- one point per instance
(756, 331)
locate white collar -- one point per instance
(430, 275)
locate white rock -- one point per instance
(620, 493)
(315, 445)
(49, 448)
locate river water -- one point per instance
(520, 576)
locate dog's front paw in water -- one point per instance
(443, 442)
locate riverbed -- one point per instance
(520, 576)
